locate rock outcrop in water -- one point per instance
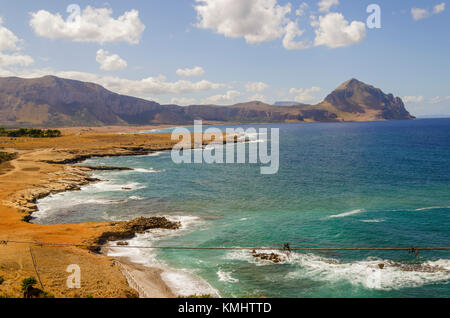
(271, 257)
(128, 230)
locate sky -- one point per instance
(229, 51)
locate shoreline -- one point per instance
(34, 175)
(41, 169)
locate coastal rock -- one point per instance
(422, 268)
(128, 230)
(71, 179)
(272, 257)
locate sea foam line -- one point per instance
(433, 208)
(353, 212)
(181, 281)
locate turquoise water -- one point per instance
(383, 184)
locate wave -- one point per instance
(432, 208)
(108, 186)
(155, 154)
(353, 212)
(136, 197)
(374, 221)
(186, 284)
(368, 274)
(226, 277)
(149, 170)
(181, 282)
(47, 206)
(90, 196)
(246, 256)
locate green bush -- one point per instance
(5, 156)
(1, 280)
(27, 282)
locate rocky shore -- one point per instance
(43, 167)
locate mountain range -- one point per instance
(56, 102)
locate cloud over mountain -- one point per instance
(110, 62)
(334, 31)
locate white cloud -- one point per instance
(325, 5)
(92, 25)
(258, 97)
(15, 59)
(439, 8)
(196, 71)
(293, 31)
(229, 97)
(334, 31)
(256, 86)
(183, 101)
(413, 99)
(301, 9)
(255, 20)
(304, 95)
(144, 88)
(419, 14)
(10, 42)
(438, 99)
(260, 21)
(110, 62)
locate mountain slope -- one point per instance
(356, 101)
(53, 101)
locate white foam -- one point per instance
(108, 186)
(155, 154)
(149, 170)
(367, 273)
(181, 282)
(64, 200)
(185, 284)
(433, 208)
(374, 221)
(246, 256)
(353, 212)
(226, 277)
(136, 197)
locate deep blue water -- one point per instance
(382, 184)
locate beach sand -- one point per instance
(34, 174)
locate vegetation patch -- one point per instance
(6, 156)
(30, 132)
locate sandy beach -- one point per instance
(40, 169)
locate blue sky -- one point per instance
(228, 51)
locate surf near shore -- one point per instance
(40, 169)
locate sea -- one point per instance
(339, 185)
